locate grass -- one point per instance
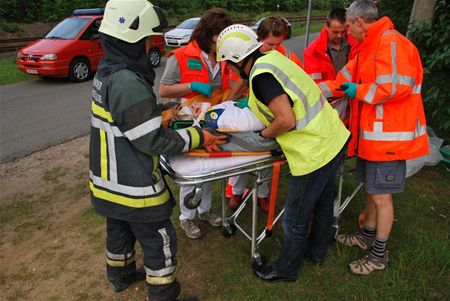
(300, 28)
(218, 268)
(9, 73)
(419, 254)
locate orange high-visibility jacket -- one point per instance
(316, 60)
(289, 54)
(387, 119)
(193, 67)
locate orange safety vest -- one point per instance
(387, 119)
(316, 60)
(193, 68)
(289, 54)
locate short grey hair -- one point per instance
(365, 9)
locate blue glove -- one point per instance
(349, 89)
(205, 89)
(241, 103)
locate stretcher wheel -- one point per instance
(192, 199)
(229, 230)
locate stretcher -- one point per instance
(256, 165)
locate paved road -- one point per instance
(41, 113)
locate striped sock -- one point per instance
(369, 232)
(379, 247)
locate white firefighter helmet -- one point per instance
(132, 20)
(236, 42)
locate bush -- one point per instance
(10, 27)
(433, 42)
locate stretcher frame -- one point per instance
(258, 170)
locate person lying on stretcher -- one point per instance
(232, 118)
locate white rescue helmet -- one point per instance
(132, 20)
(236, 42)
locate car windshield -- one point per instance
(259, 22)
(188, 24)
(67, 29)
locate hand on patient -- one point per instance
(205, 89)
(211, 141)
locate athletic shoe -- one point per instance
(369, 263)
(212, 218)
(191, 229)
(356, 239)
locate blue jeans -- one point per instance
(308, 195)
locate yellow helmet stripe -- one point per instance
(233, 35)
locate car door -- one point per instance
(91, 42)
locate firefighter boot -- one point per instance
(122, 283)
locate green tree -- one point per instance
(433, 41)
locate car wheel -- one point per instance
(289, 33)
(154, 57)
(79, 70)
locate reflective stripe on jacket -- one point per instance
(319, 135)
(289, 54)
(126, 138)
(387, 117)
(194, 69)
(316, 60)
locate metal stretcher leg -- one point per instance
(256, 257)
(340, 206)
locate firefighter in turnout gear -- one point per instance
(126, 184)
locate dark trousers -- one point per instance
(311, 195)
(159, 245)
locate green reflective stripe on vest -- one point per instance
(319, 134)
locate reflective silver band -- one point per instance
(379, 111)
(268, 117)
(284, 78)
(184, 134)
(119, 256)
(317, 75)
(346, 73)
(100, 124)
(394, 136)
(378, 127)
(417, 89)
(400, 79)
(144, 128)
(370, 94)
(311, 113)
(112, 157)
(325, 90)
(160, 273)
(128, 190)
(166, 246)
(393, 78)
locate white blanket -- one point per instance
(190, 166)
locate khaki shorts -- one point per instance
(381, 177)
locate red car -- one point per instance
(73, 49)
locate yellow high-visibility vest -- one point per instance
(319, 134)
